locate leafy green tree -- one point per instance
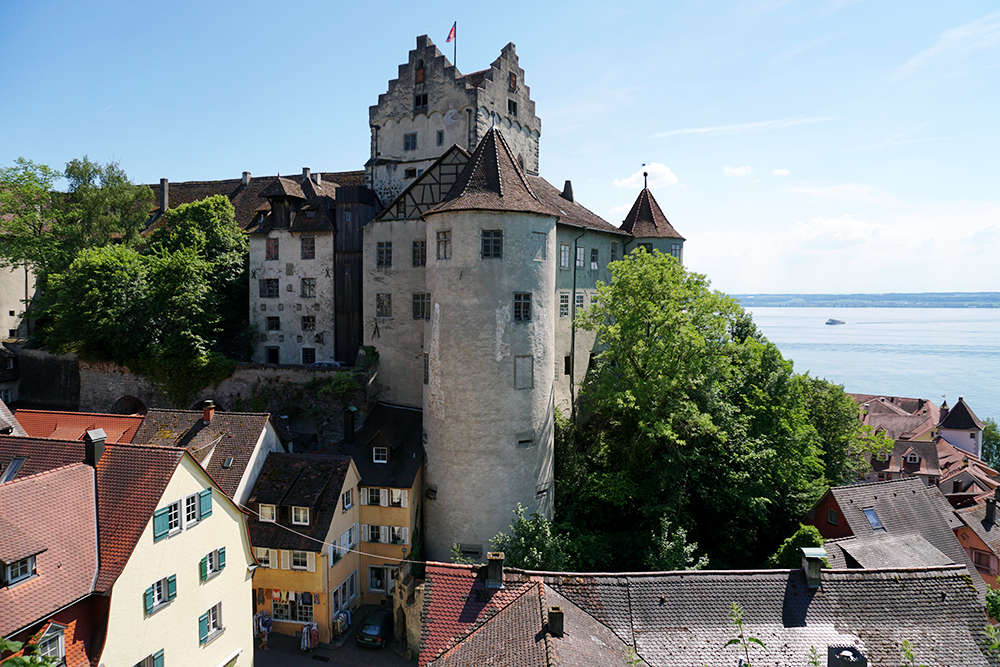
(991, 442)
(534, 543)
(26, 212)
(789, 554)
(672, 552)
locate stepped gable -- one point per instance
(646, 220)
(961, 417)
(493, 181)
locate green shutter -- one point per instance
(158, 658)
(204, 568)
(171, 587)
(222, 557)
(160, 523)
(206, 502)
(202, 628)
(148, 600)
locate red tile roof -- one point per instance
(51, 515)
(961, 417)
(74, 425)
(646, 220)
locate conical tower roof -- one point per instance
(646, 220)
(961, 417)
(492, 181)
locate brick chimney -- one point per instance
(556, 621)
(494, 569)
(207, 412)
(164, 195)
(93, 446)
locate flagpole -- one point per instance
(454, 57)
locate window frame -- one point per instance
(298, 510)
(29, 570)
(307, 288)
(271, 249)
(213, 623)
(380, 454)
(383, 254)
(308, 356)
(564, 304)
(374, 493)
(421, 305)
(444, 244)
(192, 502)
(595, 259)
(54, 633)
(303, 555)
(307, 247)
(272, 323)
(564, 256)
(522, 307)
(266, 285)
(261, 514)
(831, 516)
(383, 304)
(440, 137)
(492, 244)
(581, 256)
(614, 251)
(308, 323)
(419, 250)
(410, 141)
(347, 499)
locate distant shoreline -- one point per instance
(891, 300)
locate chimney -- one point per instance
(349, 423)
(207, 412)
(567, 192)
(246, 178)
(164, 195)
(812, 563)
(318, 178)
(93, 446)
(305, 174)
(991, 511)
(556, 621)
(494, 569)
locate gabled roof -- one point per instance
(901, 418)
(492, 181)
(50, 515)
(401, 429)
(679, 619)
(570, 212)
(283, 187)
(927, 461)
(303, 481)
(429, 188)
(39, 454)
(962, 418)
(74, 425)
(230, 434)
(646, 220)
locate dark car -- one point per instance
(375, 629)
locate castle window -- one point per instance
(383, 304)
(268, 288)
(308, 356)
(567, 365)
(440, 138)
(420, 102)
(564, 304)
(579, 301)
(594, 258)
(308, 288)
(270, 249)
(410, 173)
(492, 244)
(274, 324)
(444, 245)
(420, 253)
(538, 246)
(308, 247)
(512, 81)
(309, 323)
(614, 251)
(421, 306)
(410, 141)
(580, 256)
(427, 368)
(419, 74)
(675, 250)
(522, 306)
(512, 107)
(563, 255)
(384, 249)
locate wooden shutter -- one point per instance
(384, 534)
(405, 494)
(363, 495)
(284, 559)
(160, 522)
(203, 568)
(203, 628)
(272, 559)
(406, 535)
(148, 600)
(205, 498)
(364, 532)
(171, 587)
(383, 497)
(222, 558)
(158, 658)
(357, 533)
(311, 561)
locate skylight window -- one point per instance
(13, 469)
(873, 519)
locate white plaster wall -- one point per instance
(399, 339)
(290, 268)
(473, 415)
(174, 627)
(961, 439)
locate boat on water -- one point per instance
(835, 321)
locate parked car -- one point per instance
(375, 629)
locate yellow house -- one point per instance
(305, 535)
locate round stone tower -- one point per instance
(489, 354)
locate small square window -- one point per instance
(564, 305)
(300, 560)
(410, 141)
(512, 107)
(492, 244)
(374, 496)
(309, 323)
(348, 499)
(300, 516)
(380, 454)
(522, 306)
(421, 306)
(420, 253)
(410, 173)
(594, 259)
(563, 255)
(268, 288)
(308, 287)
(271, 249)
(383, 304)
(274, 324)
(267, 513)
(420, 102)
(20, 570)
(308, 247)
(444, 245)
(440, 138)
(831, 517)
(384, 254)
(308, 356)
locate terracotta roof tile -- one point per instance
(646, 220)
(961, 417)
(53, 511)
(402, 431)
(74, 425)
(570, 212)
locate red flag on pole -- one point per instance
(451, 33)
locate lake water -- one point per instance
(917, 352)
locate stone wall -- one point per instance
(49, 380)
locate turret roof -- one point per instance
(961, 417)
(646, 220)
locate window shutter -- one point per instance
(357, 533)
(205, 497)
(203, 568)
(171, 587)
(158, 658)
(284, 559)
(405, 494)
(311, 561)
(329, 554)
(364, 495)
(203, 628)
(160, 520)
(272, 559)
(364, 532)
(148, 600)
(383, 497)
(406, 535)
(222, 557)
(384, 532)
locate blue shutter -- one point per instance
(148, 600)
(158, 658)
(160, 523)
(222, 557)
(204, 568)
(202, 628)
(206, 502)
(171, 587)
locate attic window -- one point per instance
(380, 454)
(267, 513)
(410, 173)
(420, 102)
(13, 469)
(310, 215)
(228, 463)
(300, 516)
(512, 107)
(873, 519)
(912, 458)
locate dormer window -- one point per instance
(52, 644)
(20, 570)
(267, 513)
(300, 516)
(380, 454)
(884, 457)
(912, 458)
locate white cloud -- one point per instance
(853, 192)
(618, 212)
(780, 172)
(958, 43)
(737, 171)
(739, 128)
(660, 176)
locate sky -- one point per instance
(817, 147)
